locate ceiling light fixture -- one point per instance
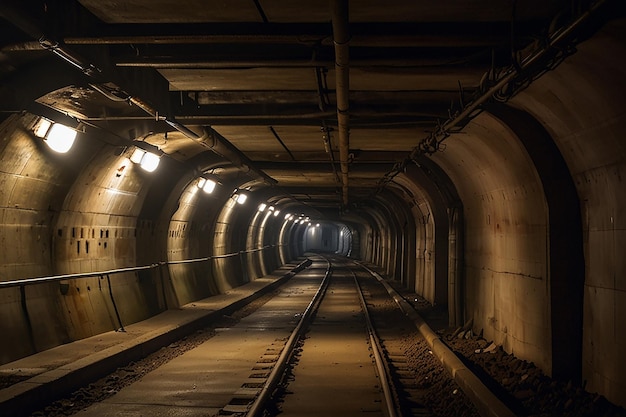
(262, 206)
(239, 197)
(58, 137)
(206, 184)
(147, 160)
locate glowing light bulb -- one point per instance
(241, 198)
(60, 138)
(150, 161)
(42, 127)
(208, 186)
(137, 155)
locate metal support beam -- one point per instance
(221, 146)
(341, 36)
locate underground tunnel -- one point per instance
(157, 154)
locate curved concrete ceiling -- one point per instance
(263, 77)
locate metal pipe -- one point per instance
(341, 36)
(512, 72)
(293, 158)
(163, 292)
(222, 147)
(418, 64)
(363, 37)
(329, 150)
(29, 323)
(30, 27)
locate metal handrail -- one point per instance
(52, 278)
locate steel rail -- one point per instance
(257, 408)
(484, 399)
(391, 406)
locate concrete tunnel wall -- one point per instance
(581, 105)
(540, 186)
(426, 234)
(505, 237)
(189, 229)
(542, 195)
(491, 220)
(61, 215)
(93, 210)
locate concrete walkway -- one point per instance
(60, 370)
(209, 378)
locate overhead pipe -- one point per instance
(432, 143)
(212, 140)
(218, 143)
(341, 37)
(329, 150)
(456, 123)
(293, 158)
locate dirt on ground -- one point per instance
(521, 385)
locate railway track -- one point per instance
(338, 369)
(329, 342)
(396, 392)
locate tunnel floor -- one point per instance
(525, 388)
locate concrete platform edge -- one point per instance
(24, 397)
